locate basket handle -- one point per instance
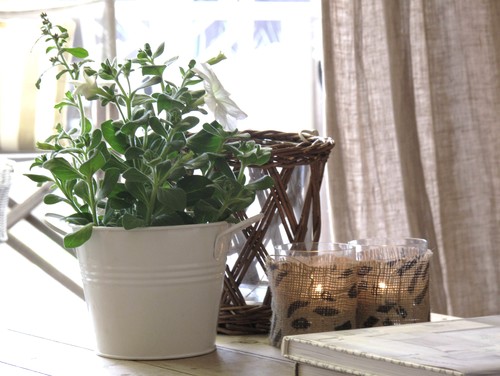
(222, 237)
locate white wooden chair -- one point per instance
(6, 169)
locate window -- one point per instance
(272, 50)
(270, 45)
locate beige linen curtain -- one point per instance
(412, 96)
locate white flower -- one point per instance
(226, 112)
(88, 87)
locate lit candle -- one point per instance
(319, 288)
(388, 292)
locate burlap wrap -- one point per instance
(311, 294)
(393, 287)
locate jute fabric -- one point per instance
(311, 294)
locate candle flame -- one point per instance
(382, 285)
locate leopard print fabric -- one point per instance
(393, 291)
(311, 296)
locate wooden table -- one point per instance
(67, 354)
(45, 330)
(24, 354)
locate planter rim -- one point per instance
(154, 228)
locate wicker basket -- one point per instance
(291, 152)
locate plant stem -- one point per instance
(92, 203)
(152, 200)
(241, 173)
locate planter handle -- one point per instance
(221, 238)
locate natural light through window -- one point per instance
(271, 48)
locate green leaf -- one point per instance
(130, 222)
(223, 167)
(78, 237)
(61, 169)
(86, 125)
(119, 204)
(171, 219)
(196, 187)
(153, 70)
(137, 190)
(111, 133)
(166, 103)
(133, 153)
(134, 175)
(80, 219)
(159, 50)
(215, 129)
(187, 123)
(174, 146)
(103, 148)
(114, 162)
(111, 176)
(176, 172)
(50, 199)
(70, 151)
(216, 59)
(78, 52)
(205, 142)
(245, 200)
(206, 211)
(130, 128)
(250, 153)
(157, 126)
(150, 82)
(45, 146)
(38, 178)
(199, 162)
(172, 199)
(81, 190)
(163, 168)
(264, 182)
(92, 165)
(169, 61)
(95, 139)
(141, 99)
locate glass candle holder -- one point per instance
(393, 281)
(313, 287)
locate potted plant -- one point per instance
(152, 195)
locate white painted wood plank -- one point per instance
(226, 362)
(59, 359)
(9, 370)
(252, 344)
(52, 358)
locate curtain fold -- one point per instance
(412, 99)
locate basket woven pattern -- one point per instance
(289, 151)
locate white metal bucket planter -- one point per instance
(154, 293)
